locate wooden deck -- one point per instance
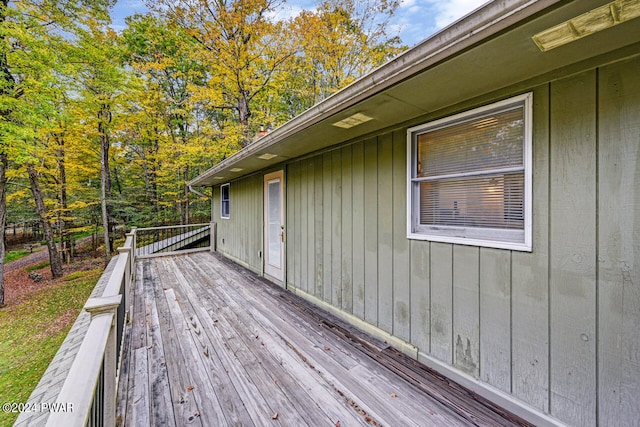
(212, 344)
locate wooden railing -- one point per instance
(89, 390)
(159, 241)
(90, 387)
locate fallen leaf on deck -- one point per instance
(275, 416)
(190, 388)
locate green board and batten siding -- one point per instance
(240, 236)
(557, 328)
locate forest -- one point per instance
(103, 129)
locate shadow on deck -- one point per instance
(212, 344)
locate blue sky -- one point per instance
(415, 19)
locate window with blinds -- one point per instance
(225, 201)
(470, 177)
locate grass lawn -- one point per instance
(32, 330)
(38, 266)
(14, 255)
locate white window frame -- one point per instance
(485, 237)
(228, 200)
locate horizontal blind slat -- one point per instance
(494, 201)
(487, 142)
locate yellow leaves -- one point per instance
(18, 196)
(78, 205)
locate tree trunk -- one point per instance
(3, 219)
(153, 178)
(244, 112)
(54, 256)
(117, 180)
(8, 85)
(186, 195)
(104, 117)
(66, 239)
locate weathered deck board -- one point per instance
(161, 407)
(214, 344)
(358, 380)
(251, 363)
(278, 376)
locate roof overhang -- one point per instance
(489, 49)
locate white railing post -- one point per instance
(80, 387)
(126, 252)
(133, 233)
(110, 356)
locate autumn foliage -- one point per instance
(105, 128)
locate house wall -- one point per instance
(240, 236)
(557, 328)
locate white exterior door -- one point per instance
(274, 225)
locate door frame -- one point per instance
(279, 274)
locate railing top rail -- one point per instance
(80, 384)
(172, 226)
(128, 242)
(114, 286)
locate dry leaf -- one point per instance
(275, 416)
(190, 388)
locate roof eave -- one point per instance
(472, 29)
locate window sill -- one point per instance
(522, 247)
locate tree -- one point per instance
(101, 82)
(54, 256)
(31, 34)
(3, 219)
(169, 133)
(339, 42)
(243, 48)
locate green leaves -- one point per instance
(172, 94)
